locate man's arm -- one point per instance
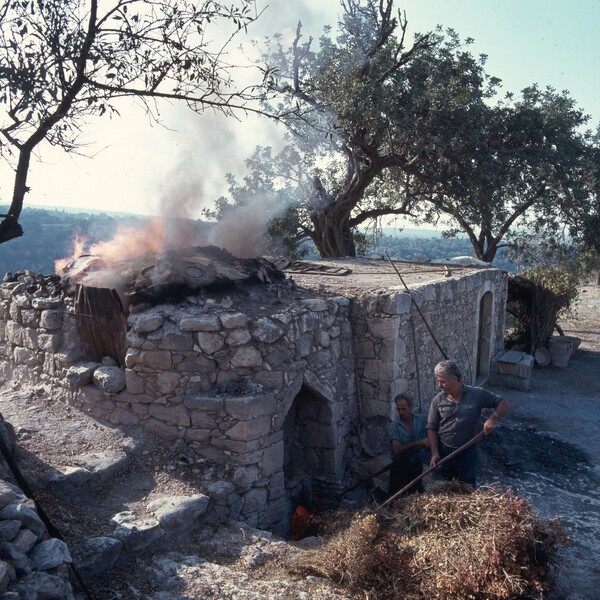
(502, 409)
(398, 447)
(432, 438)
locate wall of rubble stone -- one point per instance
(218, 378)
(33, 564)
(223, 378)
(395, 351)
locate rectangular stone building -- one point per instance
(289, 385)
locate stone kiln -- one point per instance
(288, 385)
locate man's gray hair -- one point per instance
(447, 368)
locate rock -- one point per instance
(99, 555)
(110, 379)
(43, 585)
(49, 554)
(9, 530)
(7, 574)
(7, 494)
(80, 375)
(136, 534)
(178, 513)
(26, 515)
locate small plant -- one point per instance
(546, 288)
(538, 298)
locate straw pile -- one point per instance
(485, 545)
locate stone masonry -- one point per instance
(270, 380)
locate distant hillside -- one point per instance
(49, 236)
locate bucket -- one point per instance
(571, 338)
(542, 357)
(561, 350)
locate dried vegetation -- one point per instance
(485, 545)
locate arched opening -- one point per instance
(484, 336)
(309, 444)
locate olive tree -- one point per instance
(62, 62)
(517, 165)
(341, 106)
(385, 128)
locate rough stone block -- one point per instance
(160, 360)
(234, 320)
(135, 383)
(109, 379)
(250, 430)
(173, 415)
(245, 408)
(254, 500)
(512, 369)
(238, 337)
(51, 319)
(247, 356)
(200, 323)
(266, 331)
(146, 322)
(167, 382)
(272, 459)
(161, 429)
(209, 342)
(177, 514)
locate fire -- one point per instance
(107, 258)
(79, 242)
(299, 523)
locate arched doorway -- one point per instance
(309, 444)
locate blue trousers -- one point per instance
(462, 467)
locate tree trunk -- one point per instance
(333, 236)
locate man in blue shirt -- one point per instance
(408, 439)
(455, 418)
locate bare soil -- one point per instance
(547, 450)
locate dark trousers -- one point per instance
(462, 467)
(404, 470)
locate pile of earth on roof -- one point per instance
(153, 275)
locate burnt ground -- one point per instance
(547, 449)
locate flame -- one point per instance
(112, 262)
(79, 242)
(299, 523)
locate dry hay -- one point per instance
(485, 545)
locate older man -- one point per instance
(455, 418)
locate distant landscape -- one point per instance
(49, 236)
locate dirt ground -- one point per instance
(547, 450)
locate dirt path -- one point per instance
(548, 450)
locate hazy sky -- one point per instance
(136, 167)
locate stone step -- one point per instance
(92, 471)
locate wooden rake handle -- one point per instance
(444, 460)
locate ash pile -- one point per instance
(168, 276)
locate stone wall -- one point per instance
(33, 564)
(265, 387)
(219, 378)
(395, 351)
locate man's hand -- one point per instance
(490, 425)
(435, 459)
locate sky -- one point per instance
(132, 165)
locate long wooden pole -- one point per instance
(417, 307)
(442, 462)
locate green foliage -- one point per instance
(381, 128)
(540, 296)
